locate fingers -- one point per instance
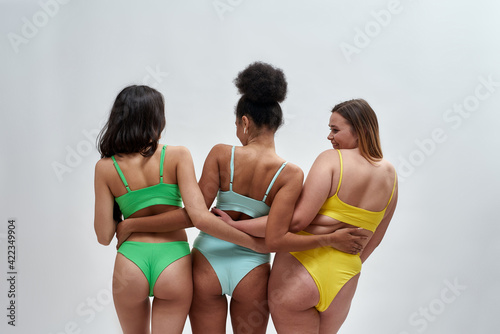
(356, 249)
(360, 232)
(217, 211)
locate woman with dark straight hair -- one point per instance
(138, 177)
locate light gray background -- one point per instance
(63, 62)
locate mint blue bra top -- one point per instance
(161, 193)
(232, 201)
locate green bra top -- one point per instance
(159, 194)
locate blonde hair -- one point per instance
(364, 124)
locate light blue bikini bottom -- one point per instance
(230, 262)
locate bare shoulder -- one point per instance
(327, 159)
(220, 149)
(177, 152)
(329, 153)
(293, 174)
(293, 170)
(103, 166)
(387, 166)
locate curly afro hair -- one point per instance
(262, 87)
(262, 83)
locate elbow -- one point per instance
(297, 224)
(200, 221)
(273, 244)
(105, 241)
(295, 227)
(104, 238)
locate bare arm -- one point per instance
(312, 196)
(278, 237)
(164, 222)
(314, 193)
(104, 225)
(209, 184)
(381, 229)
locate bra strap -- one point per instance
(120, 173)
(161, 162)
(232, 169)
(341, 172)
(274, 179)
(393, 188)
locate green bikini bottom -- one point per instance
(153, 258)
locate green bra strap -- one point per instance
(161, 162)
(120, 173)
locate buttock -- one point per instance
(230, 262)
(153, 258)
(330, 269)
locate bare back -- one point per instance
(364, 185)
(142, 172)
(254, 169)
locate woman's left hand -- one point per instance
(223, 216)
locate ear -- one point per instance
(245, 121)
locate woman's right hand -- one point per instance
(350, 240)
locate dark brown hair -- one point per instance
(135, 123)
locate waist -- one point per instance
(205, 241)
(150, 237)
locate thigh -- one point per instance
(292, 297)
(205, 280)
(334, 316)
(175, 281)
(131, 296)
(209, 306)
(173, 293)
(249, 307)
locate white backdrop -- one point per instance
(429, 69)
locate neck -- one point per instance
(263, 139)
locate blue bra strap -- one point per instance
(274, 179)
(232, 169)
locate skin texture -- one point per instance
(173, 289)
